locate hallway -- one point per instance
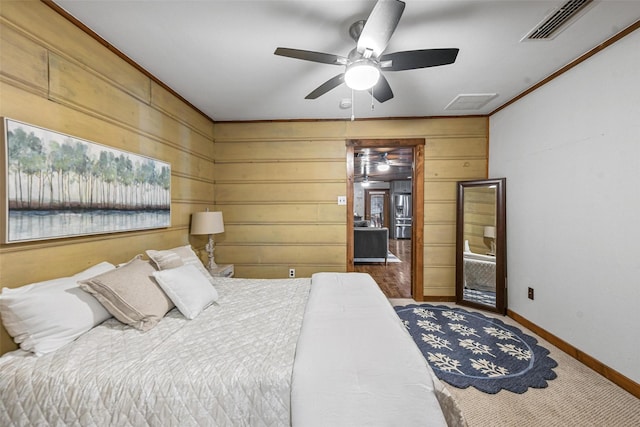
(394, 278)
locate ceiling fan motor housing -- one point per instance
(356, 29)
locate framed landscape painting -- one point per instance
(60, 186)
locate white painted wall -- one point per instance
(571, 154)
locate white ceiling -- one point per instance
(218, 55)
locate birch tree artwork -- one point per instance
(61, 186)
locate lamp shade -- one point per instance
(207, 223)
(490, 232)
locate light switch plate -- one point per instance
(342, 200)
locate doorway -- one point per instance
(406, 160)
(376, 207)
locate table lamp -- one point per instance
(207, 223)
(490, 233)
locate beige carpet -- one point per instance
(577, 397)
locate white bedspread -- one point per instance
(356, 365)
(231, 366)
(479, 271)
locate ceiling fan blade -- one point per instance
(307, 55)
(326, 86)
(381, 91)
(379, 28)
(412, 59)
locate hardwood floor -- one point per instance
(394, 278)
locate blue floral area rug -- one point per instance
(470, 349)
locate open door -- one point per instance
(416, 146)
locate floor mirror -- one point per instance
(481, 239)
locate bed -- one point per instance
(479, 271)
(322, 351)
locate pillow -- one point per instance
(130, 294)
(44, 316)
(172, 258)
(189, 290)
(165, 260)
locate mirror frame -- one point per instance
(500, 243)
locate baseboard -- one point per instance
(611, 374)
(428, 298)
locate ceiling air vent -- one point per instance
(470, 101)
(558, 20)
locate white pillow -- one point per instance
(188, 288)
(44, 316)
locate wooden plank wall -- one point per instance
(277, 185)
(479, 211)
(55, 76)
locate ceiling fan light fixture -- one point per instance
(384, 165)
(362, 75)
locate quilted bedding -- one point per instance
(231, 366)
(480, 272)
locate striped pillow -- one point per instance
(176, 257)
(130, 294)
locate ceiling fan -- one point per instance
(364, 64)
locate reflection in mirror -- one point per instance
(481, 245)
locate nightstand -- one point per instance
(222, 271)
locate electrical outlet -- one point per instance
(292, 272)
(342, 200)
(530, 293)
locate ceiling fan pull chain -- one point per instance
(353, 114)
(372, 106)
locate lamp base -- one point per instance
(209, 248)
